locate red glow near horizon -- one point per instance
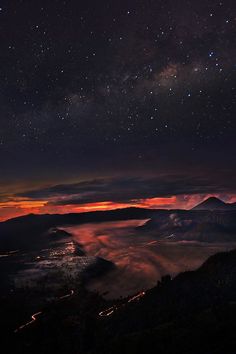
(17, 207)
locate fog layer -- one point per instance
(140, 258)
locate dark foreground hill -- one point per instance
(191, 314)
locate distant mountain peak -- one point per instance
(212, 203)
(214, 200)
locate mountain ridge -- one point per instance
(214, 203)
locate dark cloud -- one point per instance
(65, 189)
(125, 189)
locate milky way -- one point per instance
(96, 90)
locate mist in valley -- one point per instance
(140, 258)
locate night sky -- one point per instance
(113, 103)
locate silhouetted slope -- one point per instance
(191, 314)
(194, 313)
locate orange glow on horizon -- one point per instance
(157, 202)
(18, 207)
(14, 208)
(28, 204)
